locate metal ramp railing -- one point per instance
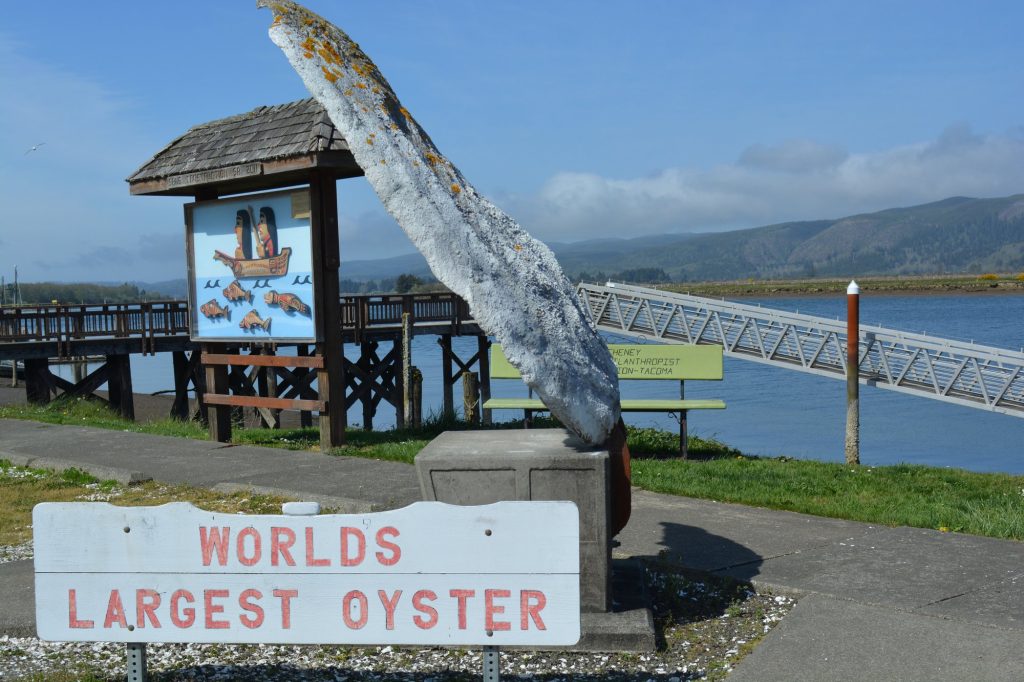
(953, 371)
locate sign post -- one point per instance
(428, 574)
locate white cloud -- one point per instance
(796, 180)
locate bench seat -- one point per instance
(654, 405)
(633, 362)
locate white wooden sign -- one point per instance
(431, 573)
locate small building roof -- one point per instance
(268, 147)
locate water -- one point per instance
(774, 411)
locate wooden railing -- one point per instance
(66, 323)
(362, 313)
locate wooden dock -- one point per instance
(37, 336)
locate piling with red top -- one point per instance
(852, 373)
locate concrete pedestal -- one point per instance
(481, 467)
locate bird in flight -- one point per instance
(35, 148)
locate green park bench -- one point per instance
(634, 361)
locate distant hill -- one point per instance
(955, 235)
(959, 234)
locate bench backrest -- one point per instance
(642, 361)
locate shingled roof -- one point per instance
(267, 147)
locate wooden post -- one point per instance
(78, 369)
(448, 404)
(852, 445)
(305, 416)
(219, 415)
(407, 370)
(119, 385)
(323, 201)
(471, 397)
(266, 383)
(483, 345)
(179, 409)
(684, 435)
(219, 418)
(417, 398)
(199, 382)
(37, 384)
(366, 352)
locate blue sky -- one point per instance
(581, 119)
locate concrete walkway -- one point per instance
(876, 602)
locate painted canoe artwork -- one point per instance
(252, 320)
(287, 302)
(242, 268)
(212, 309)
(236, 293)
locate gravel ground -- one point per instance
(704, 625)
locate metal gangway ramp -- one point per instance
(952, 371)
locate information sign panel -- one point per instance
(250, 268)
(427, 574)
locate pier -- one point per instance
(38, 336)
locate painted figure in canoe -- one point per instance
(243, 233)
(266, 233)
(270, 260)
(287, 302)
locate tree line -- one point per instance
(41, 293)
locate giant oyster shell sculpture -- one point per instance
(512, 282)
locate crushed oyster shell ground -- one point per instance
(705, 625)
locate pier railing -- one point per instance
(942, 369)
(66, 324)
(360, 314)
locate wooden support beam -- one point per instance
(38, 384)
(447, 379)
(119, 385)
(299, 375)
(266, 386)
(323, 218)
(262, 360)
(181, 364)
(220, 416)
(483, 346)
(258, 401)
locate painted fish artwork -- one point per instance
(252, 320)
(287, 302)
(235, 293)
(213, 310)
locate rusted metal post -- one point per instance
(852, 373)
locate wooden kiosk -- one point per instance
(291, 145)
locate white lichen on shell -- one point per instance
(512, 282)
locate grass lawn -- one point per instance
(919, 496)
